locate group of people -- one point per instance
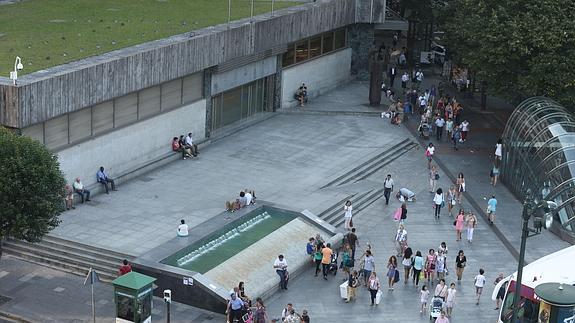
(84, 193)
(246, 198)
(239, 307)
(186, 146)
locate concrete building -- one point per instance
(121, 109)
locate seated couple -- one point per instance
(246, 198)
(301, 94)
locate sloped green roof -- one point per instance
(133, 280)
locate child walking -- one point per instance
(450, 299)
(479, 283)
(423, 298)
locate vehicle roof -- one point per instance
(557, 267)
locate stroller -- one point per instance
(435, 307)
(333, 265)
(424, 130)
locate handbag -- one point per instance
(453, 202)
(436, 176)
(378, 297)
(396, 276)
(455, 222)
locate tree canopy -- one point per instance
(31, 188)
(522, 48)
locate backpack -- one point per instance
(309, 248)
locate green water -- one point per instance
(233, 244)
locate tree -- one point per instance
(522, 48)
(31, 188)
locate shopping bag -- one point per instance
(378, 297)
(343, 289)
(396, 276)
(397, 214)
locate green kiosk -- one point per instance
(133, 297)
(557, 303)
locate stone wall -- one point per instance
(360, 38)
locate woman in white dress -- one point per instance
(348, 209)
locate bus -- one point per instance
(558, 267)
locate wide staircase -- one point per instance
(68, 256)
(374, 164)
(334, 214)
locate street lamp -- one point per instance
(542, 218)
(17, 67)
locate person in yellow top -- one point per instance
(326, 253)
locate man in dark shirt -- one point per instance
(353, 242)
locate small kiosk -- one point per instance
(133, 298)
(557, 303)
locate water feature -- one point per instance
(219, 246)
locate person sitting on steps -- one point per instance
(179, 148)
(81, 190)
(103, 179)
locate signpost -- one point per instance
(92, 277)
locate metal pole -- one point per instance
(229, 12)
(371, 13)
(252, 11)
(524, 235)
(273, 2)
(168, 312)
(93, 304)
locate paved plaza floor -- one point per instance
(288, 159)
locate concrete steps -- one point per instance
(374, 164)
(334, 214)
(68, 256)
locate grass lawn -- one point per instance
(47, 33)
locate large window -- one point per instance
(313, 47)
(242, 102)
(125, 110)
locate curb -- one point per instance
(13, 318)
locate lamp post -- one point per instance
(17, 67)
(530, 208)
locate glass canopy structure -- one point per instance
(539, 155)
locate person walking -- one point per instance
(460, 183)
(479, 284)
(234, 309)
(433, 178)
(451, 199)
(471, 223)
(391, 271)
(373, 286)
(407, 263)
(368, 266)
(494, 174)
(442, 318)
(317, 256)
(439, 124)
(499, 149)
(500, 292)
(440, 265)
(348, 213)
(459, 222)
(438, 201)
(441, 290)
(449, 128)
(430, 262)
(460, 263)
(450, 300)
(417, 267)
(352, 284)
(423, 297)
(260, 315)
(387, 188)
(404, 80)
(464, 130)
(429, 152)
(280, 266)
(491, 208)
(456, 136)
(401, 240)
(326, 253)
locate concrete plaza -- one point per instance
(288, 159)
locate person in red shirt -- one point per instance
(125, 268)
(177, 148)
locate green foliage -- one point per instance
(31, 188)
(47, 33)
(522, 48)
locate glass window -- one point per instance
(231, 106)
(171, 94)
(149, 102)
(56, 132)
(289, 56)
(125, 308)
(125, 109)
(339, 38)
(36, 132)
(145, 306)
(315, 46)
(245, 100)
(327, 42)
(301, 51)
(102, 117)
(80, 125)
(193, 88)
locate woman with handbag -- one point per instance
(430, 262)
(373, 286)
(391, 269)
(451, 199)
(407, 263)
(418, 263)
(460, 183)
(459, 221)
(433, 178)
(460, 263)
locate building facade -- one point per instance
(121, 109)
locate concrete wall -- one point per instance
(128, 148)
(320, 75)
(242, 75)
